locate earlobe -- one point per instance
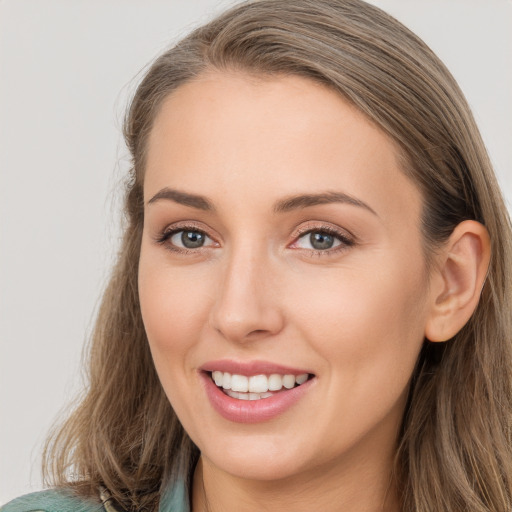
(458, 280)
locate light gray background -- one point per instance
(67, 68)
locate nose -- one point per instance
(246, 307)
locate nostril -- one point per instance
(256, 332)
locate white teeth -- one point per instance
(239, 383)
(247, 396)
(289, 381)
(257, 386)
(226, 381)
(217, 377)
(300, 379)
(275, 382)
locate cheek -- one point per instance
(368, 329)
(174, 305)
(364, 304)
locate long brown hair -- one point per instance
(454, 450)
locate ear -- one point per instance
(457, 280)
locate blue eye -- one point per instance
(322, 240)
(188, 239)
(185, 239)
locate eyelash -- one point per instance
(168, 233)
(345, 241)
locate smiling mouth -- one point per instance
(256, 387)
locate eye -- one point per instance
(323, 240)
(185, 239)
(189, 239)
(318, 240)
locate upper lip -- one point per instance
(249, 368)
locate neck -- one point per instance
(357, 486)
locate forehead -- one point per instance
(266, 137)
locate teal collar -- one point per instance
(175, 499)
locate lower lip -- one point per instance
(252, 411)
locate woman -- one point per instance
(310, 307)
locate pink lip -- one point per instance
(248, 368)
(252, 411)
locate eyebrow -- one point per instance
(306, 200)
(284, 205)
(193, 200)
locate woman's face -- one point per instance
(281, 242)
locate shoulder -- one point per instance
(53, 500)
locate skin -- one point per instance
(354, 315)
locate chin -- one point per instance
(257, 458)
(262, 469)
